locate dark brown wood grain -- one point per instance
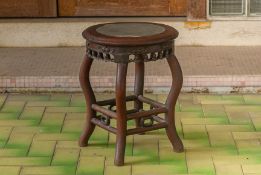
(113, 101)
(104, 111)
(197, 10)
(141, 114)
(139, 87)
(123, 47)
(122, 7)
(142, 130)
(153, 103)
(176, 85)
(121, 113)
(89, 99)
(28, 8)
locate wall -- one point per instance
(67, 32)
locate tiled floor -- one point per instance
(221, 134)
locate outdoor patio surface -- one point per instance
(221, 134)
(204, 69)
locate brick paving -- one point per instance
(39, 132)
(57, 69)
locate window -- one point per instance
(235, 7)
(255, 7)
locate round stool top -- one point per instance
(129, 33)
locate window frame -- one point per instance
(231, 14)
(245, 16)
(252, 14)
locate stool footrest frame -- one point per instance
(151, 102)
(100, 124)
(161, 124)
(113, 101)
(146, 129)
(104, 111)
(141, 114)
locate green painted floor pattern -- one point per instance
(39, 133)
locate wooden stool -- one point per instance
(123, 43)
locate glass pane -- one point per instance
(255, 7)
(227, 7)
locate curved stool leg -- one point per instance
(139, 86)
(121, 113)
(89, 99)
(177, 81)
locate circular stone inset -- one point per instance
(130, 29)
